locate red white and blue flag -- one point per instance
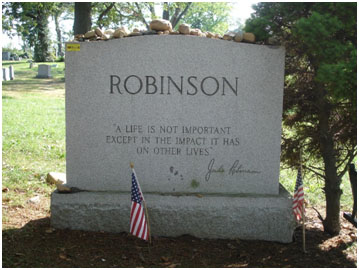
(298, 198)
(138, 223)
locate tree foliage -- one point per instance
(212, 16)
(30, 20)
(320, 88)
(206, 16)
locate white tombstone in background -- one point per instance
(5, 74)
(11, 73)
(44, 71)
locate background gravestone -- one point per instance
(206, 122)
(5, 56)
(5, 74)
(11, 73)
(44, 71)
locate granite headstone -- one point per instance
(6, 56)
(204, 121)
(11, 73)
(215, 120)
(44, 71)
(5, 74)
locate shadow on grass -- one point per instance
(7, 97)
(37, 245)
(34, 85)
(35, 81)
(12, 63)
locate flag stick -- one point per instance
(148, 222)
(303, 221)
(303, 212)
(144, 205)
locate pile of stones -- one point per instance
(162, 27)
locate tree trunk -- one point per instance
(177, 18)
(165, 12)
(82, 22)
(332, 180)
(41, 50)
(58, 33)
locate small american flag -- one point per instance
(298, 198)
(138, 223)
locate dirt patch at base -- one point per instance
(29, 241)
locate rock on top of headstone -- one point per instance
(196, 32)
(109, 32)
(229, 36)
(238, 37)
(249, 37)
(184, 29)
(90, 34)
(99, 32)
(121, 32)
(161, 25)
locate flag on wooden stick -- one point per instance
(298, 198)
(138, 221)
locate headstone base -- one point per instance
(252, 217)
(43, 77)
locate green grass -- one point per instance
(26, 81)
(33, 132)
(313, 188)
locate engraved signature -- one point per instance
(236, 168)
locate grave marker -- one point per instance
(206, 121)
(11, 73)
(6, 56)
(5, 74)
(44, 71)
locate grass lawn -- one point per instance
(33, 126)
(33, 132)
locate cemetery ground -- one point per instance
(34, 144)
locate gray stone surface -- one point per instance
(44, 71)
(107, 129)
(5, 56)
(5, 74)
(11, 73)
(204, 121)
(262, 217)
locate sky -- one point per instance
(241, 11)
